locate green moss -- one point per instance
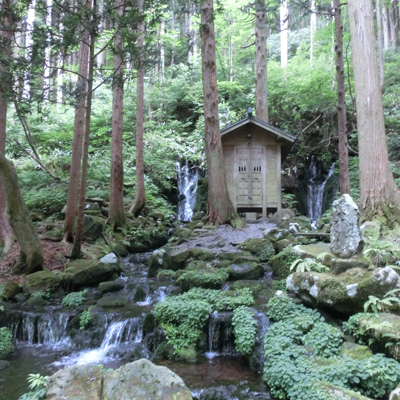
(209, 278)
(281, 263)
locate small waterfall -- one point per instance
(187, 187)
(316, 189)
(121, 339)
(43, 329)
(220, 338)
(263, 324)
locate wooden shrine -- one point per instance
(253, 153)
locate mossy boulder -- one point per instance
(346, 292)
(355, 351)
(43, 280)
(81, 273)
(281, 262)
(329, 391)
(138, 380)
(9, 290)
(202, 254)
(260, 248)
(148, 238)
(112, 301)
(281, 245)
(209, 278)
(93, 227)
(278, 234)
(246, 271)
(182, 233)
(111, 286)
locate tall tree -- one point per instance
(378, 191)
(6, 34)
(117, 213)
(79, 125)
(140, 197)
(261, 61)
(342, 110)
(220, 207)
(284, 22)
(378, 11)
(30, 249)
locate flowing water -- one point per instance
(44, 344)
(187, 187)
(316, 189)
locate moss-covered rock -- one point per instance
(111, 286)
(346, 292)
(246, 271)
(281, 245)
(260, 248)
(43, 280)
(93, 227)
(209, 278)
(112, 301)
(81, 273)
(9, 290)
(355, 351)
(278, 234)
(281, 262)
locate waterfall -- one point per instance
(43, 329)
(121, 338)
(316, 189)
(220, 338)
(187, 187)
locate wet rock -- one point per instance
(81, 273)
(278, 234)
(247, 271)
(260, 248)
(395, 394)
(198, 215)
(43, 280)
(4, 364)
(346, 239)
(281, 263)
(346, 292)
(355, 351)
(92, 227)
(112, 301)
(281, 245)
(138, 380)
(9, 290)
(111, 286)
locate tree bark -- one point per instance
(79, 125)
(117, 213)
(261, 61)
(313, 28)
(140, 197)
(342, 110)
(284, 33)
(386, 28)
(380, 45)
(220, 207)
(76, 249)
(31, 256)
(378, 191)
(393, 26)
(6, 34)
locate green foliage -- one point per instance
(183, 317)
(6, 343)
(389, 301)
(244, 329)
(301, 352)
(74, 299)
(42, 294)
(381, 252)
(85, 318)
(289, 200)
(307, 264)
(37, 383)
(211, 278)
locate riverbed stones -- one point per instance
(9, 290)
(138, 380)
(43, 280)
(346, 239)
(260, 248)
(346, 292)
(246, 271)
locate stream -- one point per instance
(44, 343)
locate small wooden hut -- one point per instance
(253, 153)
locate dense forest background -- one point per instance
(43, 91)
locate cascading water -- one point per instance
(220, 337)
(316, 189)
(187, 187)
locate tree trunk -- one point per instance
(378, 191)
(284, 33)
(313, 28)
(31, 256)
(342, 119)
(380, 45)
(261, 61)
(220, 207)
(386, 28)
(393, 26)
(79, 125)
(76, 249)
(6, 235)
(117, 213)
(140, 197)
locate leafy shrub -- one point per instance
(6, 344)
(209, 279)
(37, 383)
(244, 329)
(301, 352)
(74, 299)
(85, 319)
